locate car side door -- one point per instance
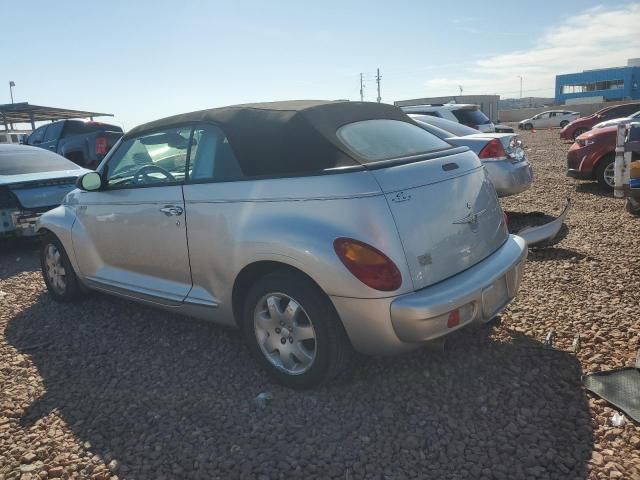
(130, 235)
(542, 121)
(52, 135)
(37, 136)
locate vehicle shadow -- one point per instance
(554, 253)
(593, 188)
(18, 255)
(169, 397)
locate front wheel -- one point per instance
(564, 123)
(59, 276)
(605, 171)
(294, 331)
(528, 126)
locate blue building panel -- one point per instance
(621, 83)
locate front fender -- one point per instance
(59, 221)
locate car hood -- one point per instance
(612, 122)
(36, 177)
(601, 132)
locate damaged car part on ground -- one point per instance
(372, 246)
(32, 181)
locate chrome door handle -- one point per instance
(172, 211)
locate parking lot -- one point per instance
(106, 388)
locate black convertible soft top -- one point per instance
(285, 137)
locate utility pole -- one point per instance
(520, 77)
(11, 85)
(378, 78)
(361, 87)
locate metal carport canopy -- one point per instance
(25, 113)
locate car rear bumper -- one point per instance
(396, 324)
(509, 178)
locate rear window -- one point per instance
(19, 160)
(468, 116)
(76, 127)
(376, 140)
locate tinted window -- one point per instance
(37, 136)
(468, 116)
(53, 132)
(211, 156)
(73, 127)
(384, 139)
(626, 110)
(18, 159)
(155, 158)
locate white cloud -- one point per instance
(597, 38)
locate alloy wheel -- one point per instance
(285, 333)
(55, 270)
(609, 174)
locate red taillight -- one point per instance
(101, 146)
(368, 264)
(454, 319)
(493, 149)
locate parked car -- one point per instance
(32, 181)
(549, 119)
(501, 153)
(315, 227)
(583, 124)
(619, 121)
(633, 195)
(592, 156)
(84, 143)
(15, 137)
(466, 114)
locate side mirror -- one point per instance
(89, 182)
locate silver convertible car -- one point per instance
(316, 227)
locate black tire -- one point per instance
(564, 123)
(577, 132)
(72, 289)
(332, 347)
(528, 126)
(601, 166)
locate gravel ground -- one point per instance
(109, 389)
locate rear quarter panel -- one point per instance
(293, 221)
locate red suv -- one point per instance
(583, 124)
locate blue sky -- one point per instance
(147, 59)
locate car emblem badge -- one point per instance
(471, 218)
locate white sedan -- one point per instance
(549, 119)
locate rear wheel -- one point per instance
(578, 132)
(294, 331)
(564, 123)
(605, 171)
(59, 276)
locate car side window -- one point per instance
(152, 159)
(37, 136)
(53, 132)
(212, 157)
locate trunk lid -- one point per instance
(447, 214)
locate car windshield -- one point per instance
(383, 139)
(20, 160)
